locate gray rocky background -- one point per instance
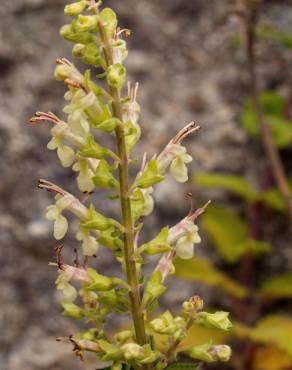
(181, 53)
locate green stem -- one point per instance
(130, 263)
(172, 349)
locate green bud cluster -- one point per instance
(91, 111)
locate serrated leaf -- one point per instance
(233, 183)
(230, 234)
(278, 286)
(202, 270)
(274, 329)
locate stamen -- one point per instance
(58, 251)
(126, 31)
(64, 61)
(183, 133)
(44, 184)
(198, 212)
(41, 116)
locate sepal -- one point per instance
(75, 8)
(103, 177)
(217, 320)
(149, 176)
(158, 245)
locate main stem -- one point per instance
(130, 263)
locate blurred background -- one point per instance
(191, 65)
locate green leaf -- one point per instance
(275, 329)
(273, 199)
(149, 176)
(103, 177)
(278, 287)
(233, 183)
(270, 33)
(230, 234)
(202, 270)
(273, 107)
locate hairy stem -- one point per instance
(130, 263)
(250, 21)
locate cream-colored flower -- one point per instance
(54, 213)
(89, 243)
(65, 153)
(178, 167)
(84, 178)
(69, 293)
(148, 201)
(185, 243)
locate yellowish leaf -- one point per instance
(198, 269)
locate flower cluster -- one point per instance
(92, 111)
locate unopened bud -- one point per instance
(193, 305)
(86, 23)
(133, 351)
(77, 50)
(75, 8)
(221, 352)
(124, 335)
(116, 75)
(217, 320)
(210, 353)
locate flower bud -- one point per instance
(86, 23)
(132, 351)
(124, 336)
(116, 75)
(77, 50)
(109, 21)
(64, 71)
(193, 305)
(68, 33)
(75, 8)
(221, 352)
(218, 320)
(210, 353)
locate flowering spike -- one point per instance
(85, 293)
